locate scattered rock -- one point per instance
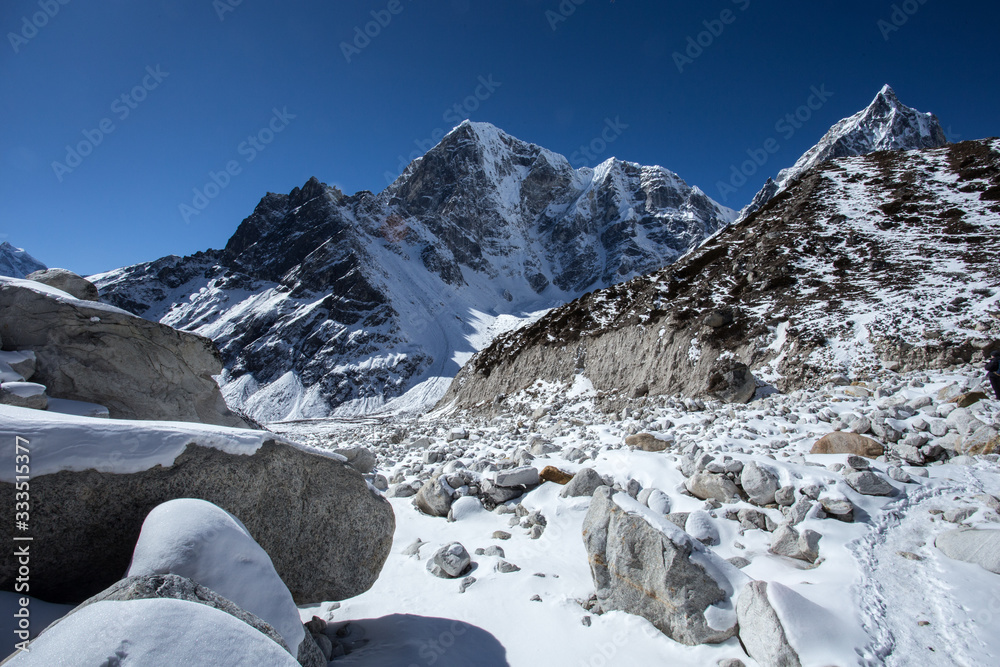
(647, 442)
(504, 567)
(705, 485)
(434, 497)
(450, 561)
(555, 475)
(759, 483)
(969, 399)
(523, 476)
(787, 541)
(584, 483)
(869, 483)
(843, 442)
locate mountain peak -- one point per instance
(16, 262)
(885, 124)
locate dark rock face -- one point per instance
(846, 256)
(321, 302)
(327, 534)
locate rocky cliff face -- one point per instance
(861, 265)
(322, 303)
(885, 124)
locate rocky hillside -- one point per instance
(861, 264)
(322, 303)
(885, 124)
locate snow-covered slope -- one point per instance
(886, 124)
(322, 303)
(16, 263)
(862, 264)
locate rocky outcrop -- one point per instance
(67, 281)
(95, 353)
(326, 532)
(643, 564)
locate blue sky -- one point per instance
(161, 95)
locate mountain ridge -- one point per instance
(324, 303)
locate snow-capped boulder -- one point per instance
(24, 395)
(93, 352)
(67, 281)
(202, 542)
(643, 564)
(22, 363)
(94, 481)
(176, 587)
(142, 632)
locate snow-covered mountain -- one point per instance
(861, 266)
(16, 263)
(323, 303)
(885, 124)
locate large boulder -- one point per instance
(94, 481)
(645, 565)
(844, 442)
(96, 353)
(67, 281)
(731, 381)
(201, 542)
(759, 483)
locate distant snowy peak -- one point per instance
(16, 262)
(885, 124)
